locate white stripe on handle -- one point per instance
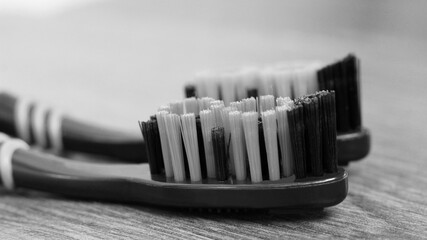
(54, 130)
(22, 111)
(38, 121)
(7, 149)
(3, 137)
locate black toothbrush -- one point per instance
(190, 144)
(316, 183)
(342, 76)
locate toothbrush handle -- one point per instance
(56, 175)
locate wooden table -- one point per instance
(114, 62)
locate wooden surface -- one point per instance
(114, 62)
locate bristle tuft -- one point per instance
(207, 120)
(167, 158)
(173, 130)
(266, 103)
(238, 145)
(219, 147)
(249, 104)
(189, 135)
(250, 126)
(177, 107)
(191, 105)
(270, 136)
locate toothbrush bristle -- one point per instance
(167, 158)
(219, 148)
(189, 134)
(207, 120)
(312, 135)
(173, 130)
(297, 134)
(266, 103)
(287, 159)
(190, 91)
(205, 103)
(177, 107)
(293, 80)
(150, 132)
(238, 144)
(250, 127)
(270, 136)
(249, 104)
(293, 140)
(191, 105)
(343, 77)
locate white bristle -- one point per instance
(164, 108)
(283, 83)
(238, 145)
(250, 104)
(189, 135)
(207, 84)
(247, 78)
(270, 137)
(285, 139)
(173, 130)
(199, 84)
(217, 110)
(282, 101)
(207, 120)
(167, 159)
(219, 103)
(191, 105)
(266, 103)
(239, 105)
(266, 86)
(228, 90)
(177, 107)
(250, 127)
(212, 88)
(205, 103)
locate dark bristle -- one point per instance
(351, 73)
(343, 78)
(253, 92)
(158, 145)
(342, 97)
(148, 133)
(220, 94)
(329, 133)
(219, 149)
(153, 117)
(190, 91)
(312, 135)
(263, 152)
(186, 167)
(296, 130)
(202, 156)
(333, 135)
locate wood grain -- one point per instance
(102, 62)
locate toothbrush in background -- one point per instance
(295, 80)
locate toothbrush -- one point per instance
(310, 179)
(296, 80)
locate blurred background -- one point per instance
(114, 62)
